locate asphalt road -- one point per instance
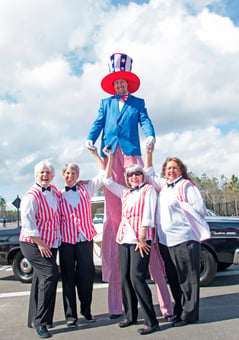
(219, 313)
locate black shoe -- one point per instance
(148, 330)
(71, 323)
(42, 331)
(180, 323)
(115, 316)
(171, 318)
(49, 325)
(126, 323)
(87, 317)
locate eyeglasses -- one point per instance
(136, 173)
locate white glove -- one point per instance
(150, 143)
(150, 140)
(89, 145)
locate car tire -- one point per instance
(208, 267)
(22, 268)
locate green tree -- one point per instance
(2, 206)
(233, 187)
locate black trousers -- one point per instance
(44, 284)
(133, 272)
(78, 271)
(184, 260)
(172, 277)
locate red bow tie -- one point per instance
(125, 97)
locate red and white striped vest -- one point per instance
(47, 220)
(77, 218)
(133, 216)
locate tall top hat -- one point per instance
(120, 66)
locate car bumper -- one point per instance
(236, 257)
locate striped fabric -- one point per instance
(120, 62)
(182, 190)
(133, 216)
(47, 219)
(76, 219)
(199, 226)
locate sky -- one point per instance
(54, 54)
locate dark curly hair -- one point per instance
(180, 164)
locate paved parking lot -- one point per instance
(219, 313)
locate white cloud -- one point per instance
(218, 33)
(186, 58)
(202, 150)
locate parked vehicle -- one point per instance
(222, 249)
(98, 218)
(10, 254)
(217, 253)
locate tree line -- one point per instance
(220, 195)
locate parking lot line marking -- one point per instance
(59, 290)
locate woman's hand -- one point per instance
(143, 247)
(149, 157)
(45, 250)
(94, 151)
(107, 151)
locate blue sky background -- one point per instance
(53, 56)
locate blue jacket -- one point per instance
(121, 127)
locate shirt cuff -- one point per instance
(34, 233)
(149, 171)
(108, 181)
(148, 223)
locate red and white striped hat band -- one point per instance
(120, 66)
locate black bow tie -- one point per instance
(133, 189)
(44, 189)
(173, 184)
(70, 188)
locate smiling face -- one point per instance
(172, 171)
(135, 178)
(44, 176)
(70, 176)
(121, 87)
